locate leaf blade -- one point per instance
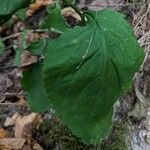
(90, 71)
(32, 82)
(9, 7)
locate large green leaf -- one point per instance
(33, 84)
(88, 68)
(8, 7)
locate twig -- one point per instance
(12, 104)
(14, 94)
(11, 36)
(144, 39)
(7, 67)
(111, 5)
(146, 56)
(19, 33)
(142, 17)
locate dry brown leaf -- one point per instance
(68, 11)
(11, 143)
(9, 82)
(38, 5)
(34, 36)
(28, 59)
(25, 125)
(26, 147)
(36, 146)
(22, 101)
(11, 121)
(3, 133)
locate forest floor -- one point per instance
(20, 128)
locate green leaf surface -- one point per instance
(18, 53)
(87, 69)
(2, 47)
(54, 21)
(8, 7)
(39, 47)
(32, 82)
(21, 13)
